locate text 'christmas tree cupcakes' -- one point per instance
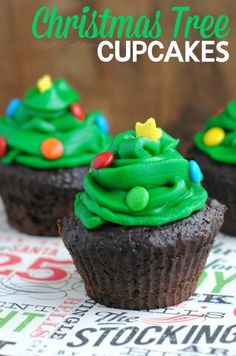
(143, 227)
(215, 150)
(46, 144)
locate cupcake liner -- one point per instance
(35, 199)
(219, 181)
(143, 267)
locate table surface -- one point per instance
(44, 309)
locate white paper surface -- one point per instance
(44, 309)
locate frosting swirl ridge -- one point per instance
(148, 183)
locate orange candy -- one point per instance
(52, 148)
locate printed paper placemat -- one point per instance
(44, 309)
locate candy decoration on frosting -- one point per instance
(77, 111)
(102, 123)
(148, 129)
(44, 83)
(195, 172)
(12, 107)
(52, 148)
(214, 136)
(3, 146)
(218, 111)
(137, 199)
(102, 160)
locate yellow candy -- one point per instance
(214, 137)
(44, 83)
(148, 129)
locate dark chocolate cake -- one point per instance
(35, 199)
(219, 181)
(143, 226)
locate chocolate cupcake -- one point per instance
(143, 227)
(46, 144)
(215, 151)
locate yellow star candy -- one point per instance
(44, 83)
(148, 129)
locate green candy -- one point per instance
(137, 199)
(225, 152)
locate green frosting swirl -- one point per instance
(41, 116)
(225, 152)
(156, 167)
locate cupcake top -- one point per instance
(140, 180)
(218, 139)
(49, 129)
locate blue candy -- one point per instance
(102, 123)
(195, 172)
(12, 107)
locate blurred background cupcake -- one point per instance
(215, 151)
(46, 144)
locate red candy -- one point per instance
(77, 111)
(102, 160)
(217, 111)
(3, 146)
